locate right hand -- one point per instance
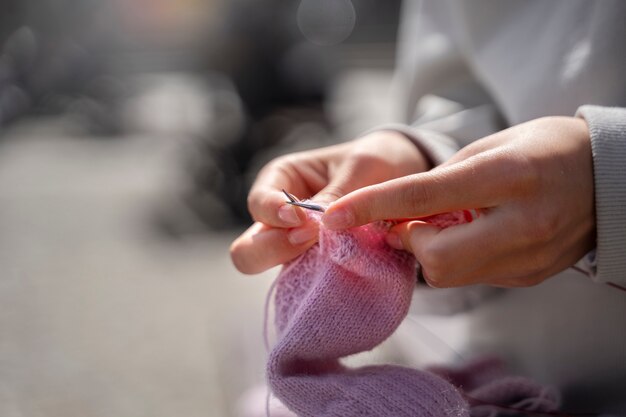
(533, 185)
(281, 232)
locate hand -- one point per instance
(281, 232)
(533, 186)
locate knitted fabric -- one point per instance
(346, 295)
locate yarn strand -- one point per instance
(476, 401)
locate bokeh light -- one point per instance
(326, 22)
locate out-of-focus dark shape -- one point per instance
(240, 80)
(48, 59)
(283, 78)
(17, 57)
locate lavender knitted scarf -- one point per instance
(346, 295)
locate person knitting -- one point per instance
(520, 115)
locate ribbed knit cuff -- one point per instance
(607, 127)
(437, 147)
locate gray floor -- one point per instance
(99, 316)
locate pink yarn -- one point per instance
(346, 295)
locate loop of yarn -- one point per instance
(346, 295)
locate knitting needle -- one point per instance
(295, 202)
(469, 215)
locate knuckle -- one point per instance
(238, 259)
(257, 202)
(253, 202)
(524, 171)
(284, 163)
(258, 197)
(334, 191)
(520, 172)
(280, 160)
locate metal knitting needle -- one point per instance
(293, 200)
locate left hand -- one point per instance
(533, 186)
(282, 232)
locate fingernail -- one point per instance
(302, 235)
(288, 214)
(393, 240)
(339, 219)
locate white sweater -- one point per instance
(469, 68)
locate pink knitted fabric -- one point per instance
(343, 296)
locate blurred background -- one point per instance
(130, 132)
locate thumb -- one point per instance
(468, 184)
(412, 236)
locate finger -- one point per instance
(414, 237)
(523, 269)
(266, 201)
(542, 256)
(411, 236)
(462, 254)
(352, 174)
(271, 208)
(262, 247)
(495, 246)
(301, 174)
(481, 181)
(479, 146)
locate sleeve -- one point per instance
(607, 128)
(436, 146)
(441, 106)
